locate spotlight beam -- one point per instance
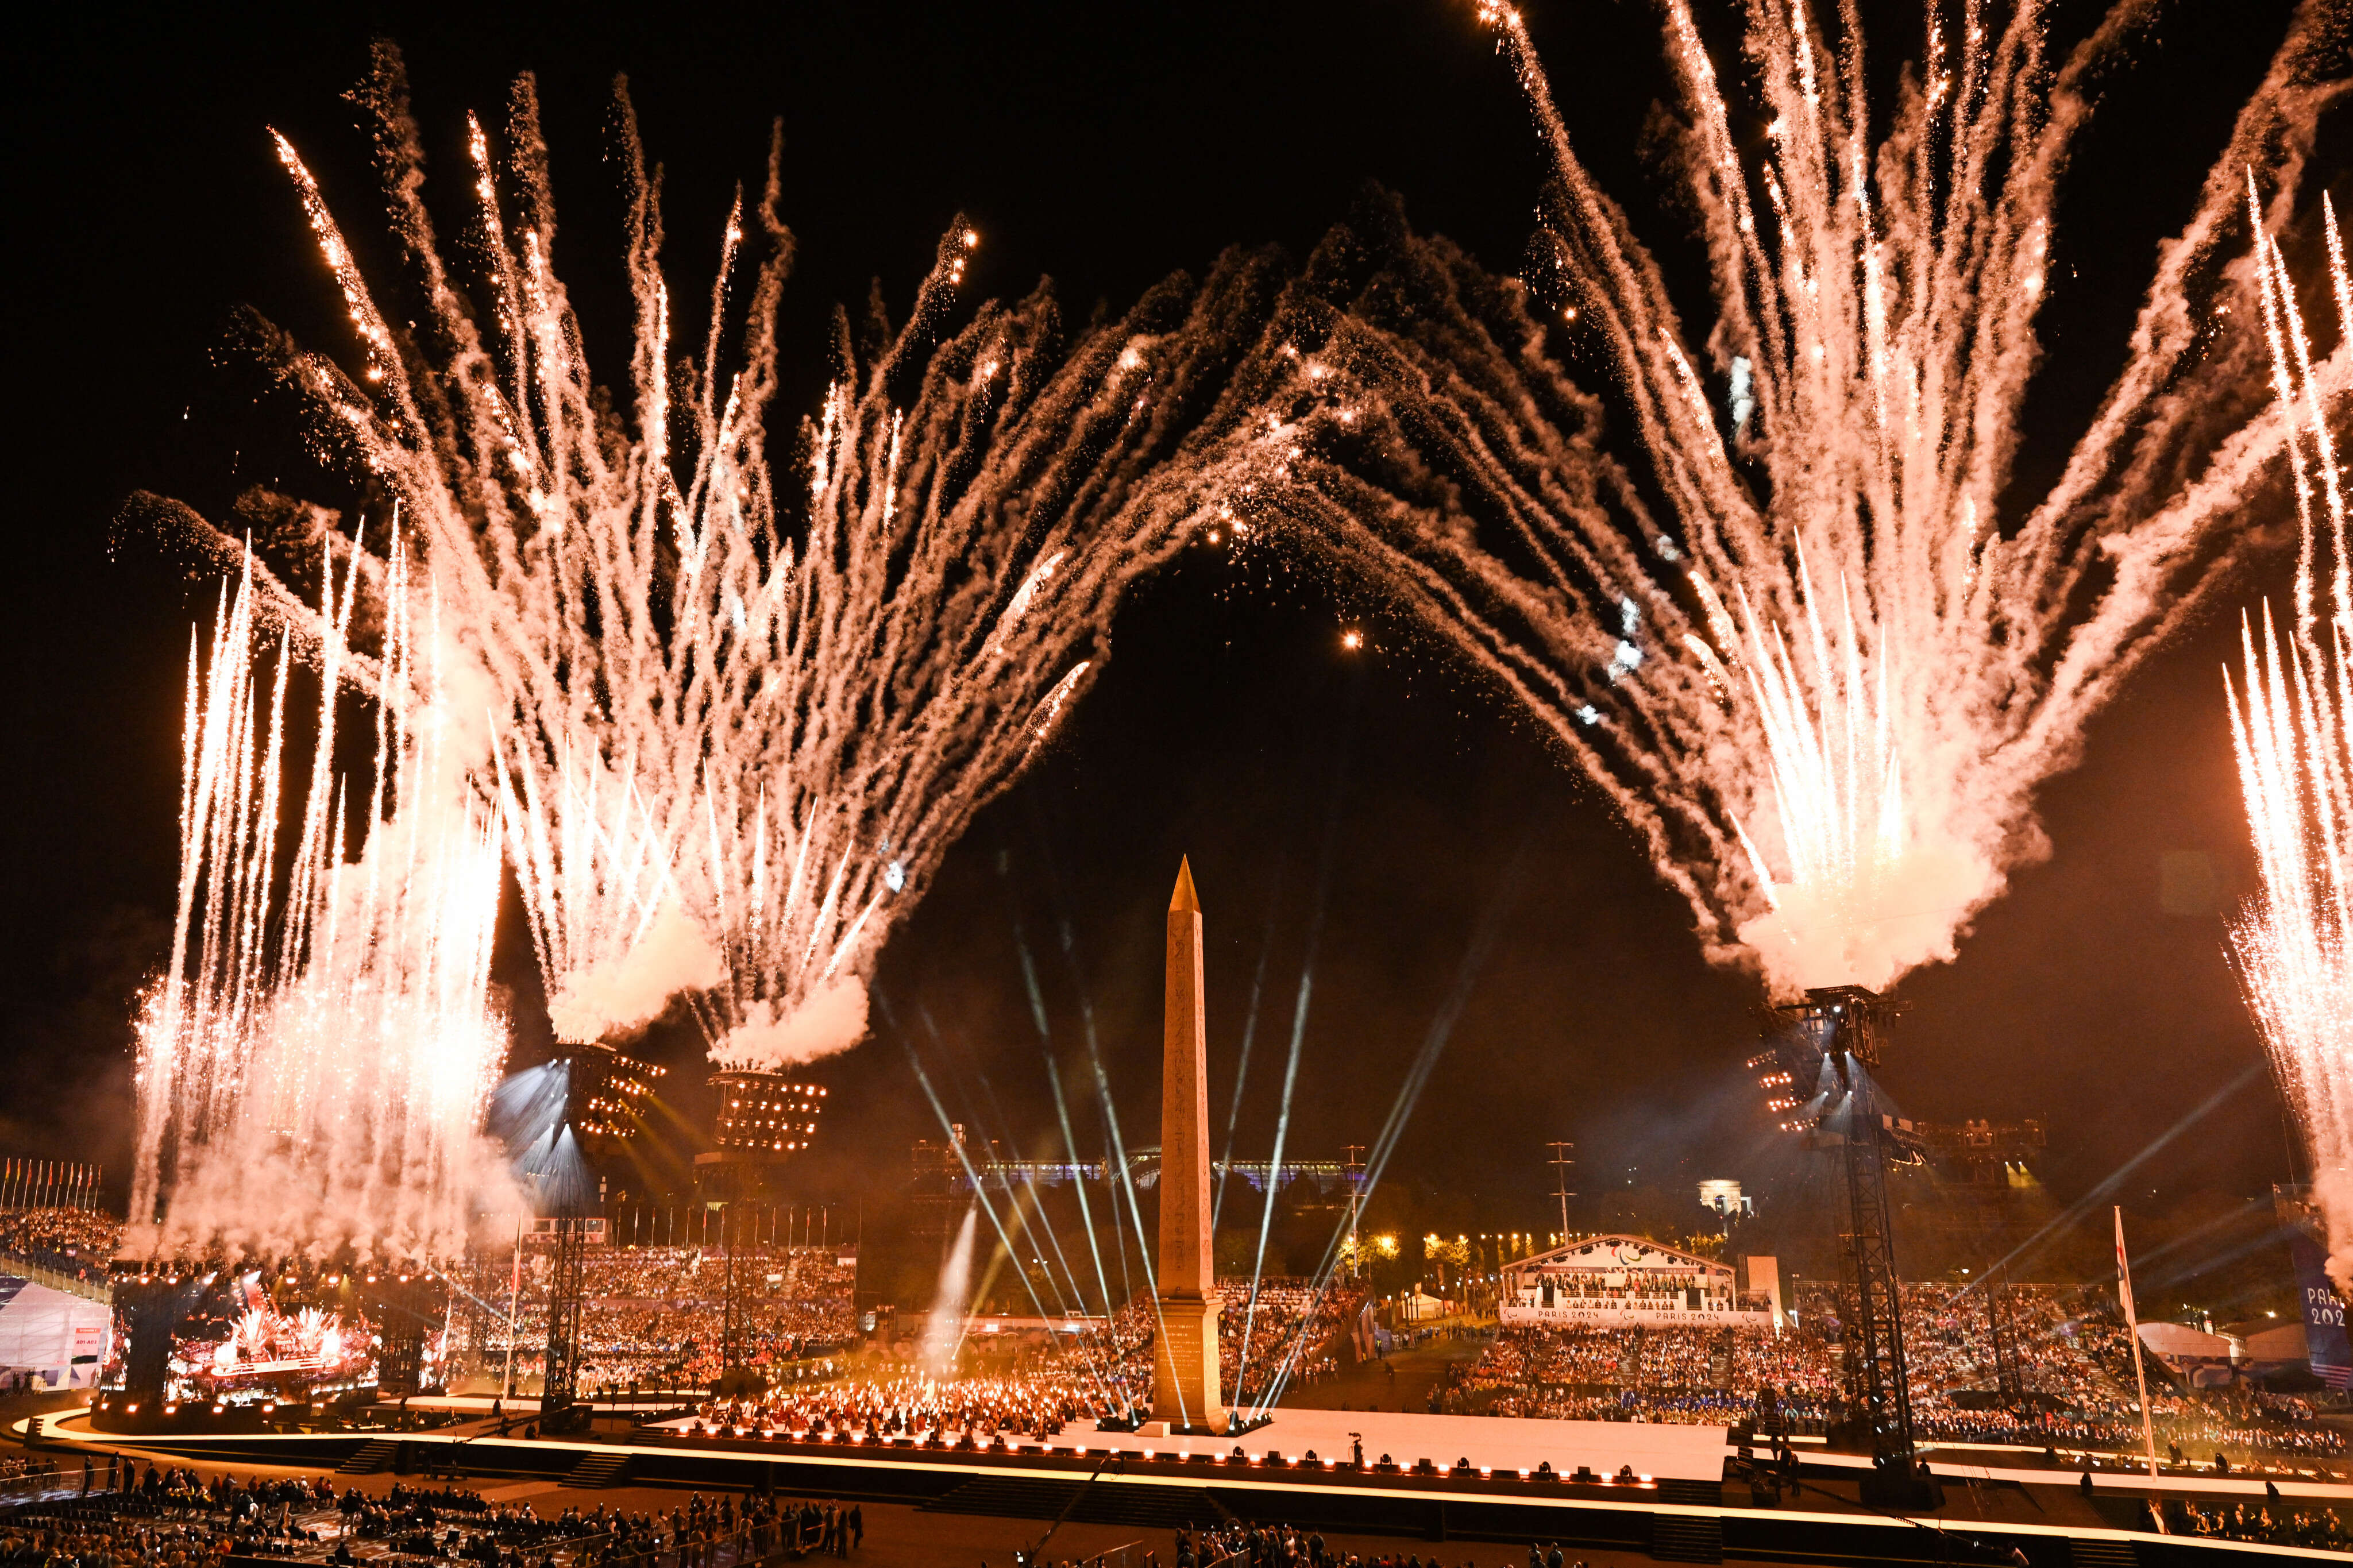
(2098, 1195)
(1483, 938)
(948, 1126)
(989, 1092)
(1250, 1033)
(1061, 1103)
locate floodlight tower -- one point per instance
(1849, 1026)
(566, 1204)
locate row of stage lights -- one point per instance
(173, 1407)
(212, 1275)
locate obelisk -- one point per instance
(1185, 1357)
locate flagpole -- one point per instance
(2132, 1329)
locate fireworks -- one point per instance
(1826, 687)
(735, 730)
(724, 711)
(724, 727)
(2290, 728)
(963, 553)
(313, 1063)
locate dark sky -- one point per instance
(1106, 146)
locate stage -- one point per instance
(1684, 1511)
(1493, 1446)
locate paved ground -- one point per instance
(899, 1535)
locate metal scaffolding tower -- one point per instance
(1850, 1027)
(560, 1392)
(568, 1211)
(734, 1352)
(1562, 1160)
(2001, 1311)
(400, 1304)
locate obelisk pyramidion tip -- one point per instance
(1184, 897)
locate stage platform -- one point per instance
(1685, 1512)
(1487, 1444)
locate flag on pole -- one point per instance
(2124, 1276)
(2132, 1332)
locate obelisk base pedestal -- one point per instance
(1185, 1368)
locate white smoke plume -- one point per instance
(825, 1023)
(1890, 917)
(618, 997)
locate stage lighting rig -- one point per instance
(1832, 1045)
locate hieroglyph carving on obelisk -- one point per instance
(1185, 1357)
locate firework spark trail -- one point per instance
(728, 736)
(314, 1061)
(1825, 690)
(974, 543)
(563, 553)
(2292, 728)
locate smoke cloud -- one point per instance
(1891, 917)
(621, 996)
(832, 1020)
(254, 1194)
(2332, 1188)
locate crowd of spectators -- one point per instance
(1240, 1543)
(113, 1538)
(2270, 1524)
(1029, 1390)
(1036, 1401)
(655, 1317)
(1294, 1332)
(73, 1241)
(449, 1524)
(2074, 1367)
(18, 1471)
(166, 1519)
(665, 1274)
(1703, 1376)
(451, 1521)
(173, 1519)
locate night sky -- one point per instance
(1377, 793)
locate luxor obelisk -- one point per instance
(1184, 1357)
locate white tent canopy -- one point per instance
(59, 1339)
